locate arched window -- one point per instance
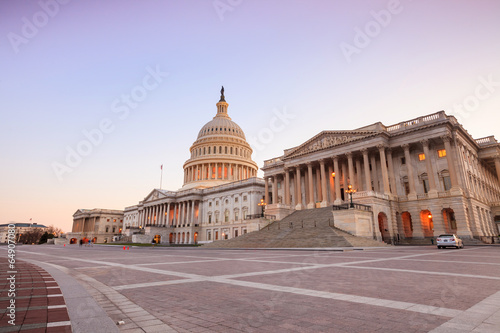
(226, 215)
(220, 149)
(209, 150)
(231, 150)
(225, 150)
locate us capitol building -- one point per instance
(219, 197)
(412, 180)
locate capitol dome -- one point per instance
(220, 154)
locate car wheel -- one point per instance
(439, 247)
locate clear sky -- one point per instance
(96, 95)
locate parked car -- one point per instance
(449, 240)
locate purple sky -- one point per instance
(68, 67)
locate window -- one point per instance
(447, 183)
(209, 204)
(227, 201)
(216, 217)
(114, 220)
(209, 150)
(236, 215)
(403, 160)
(236, 199)
(209, 218)
(407, 187)
(217, 235)
(421, 157)
(107, 229)
(236, 233)
(217, 203)
(108, 220)
(114, 228)
(220, 149)
(425, 182)
(442, 153)
(244, 198)
(225, 150)
(209, 235)
(226, 216)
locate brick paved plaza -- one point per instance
(398, 289)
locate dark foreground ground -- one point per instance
(397, 289)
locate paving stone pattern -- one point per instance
(384, 289)
(40, 305)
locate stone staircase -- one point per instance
(309, 228)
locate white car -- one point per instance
(449, 240)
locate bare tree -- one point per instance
(31, 237)
(54, 230)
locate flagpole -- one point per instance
(161, 175)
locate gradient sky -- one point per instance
(69, 74)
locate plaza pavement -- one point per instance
(396, 289)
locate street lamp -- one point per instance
(350, 190)
(262, 204)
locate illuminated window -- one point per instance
(421, 157)
(114, 220)
(442, 152)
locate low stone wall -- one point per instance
(354, 221)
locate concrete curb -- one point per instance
(84, 312)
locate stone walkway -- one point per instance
(396, 289)
(39, 302)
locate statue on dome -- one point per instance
(222, 95)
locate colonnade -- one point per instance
(368, 169)
(224, 171)
(170, 214)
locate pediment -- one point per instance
(328, 139)
(154, 195)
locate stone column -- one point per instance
(359, 181)
(287, 187)
(497, 167)
(319, 190)
(266, 190)
(167, 216)
(298, 194)
(192, 212)
(331, 182)
(392, 176)
(350, 164)
(275, 189)
(385, 174)
(175, 214)
(449, 159)
(375, 173)
(366, 166)
(409, 167)
(430, 170)
(310, 203)
(160, 215)
(324, 202)
(338, 198)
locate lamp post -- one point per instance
(350, 190)
(262, 204)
